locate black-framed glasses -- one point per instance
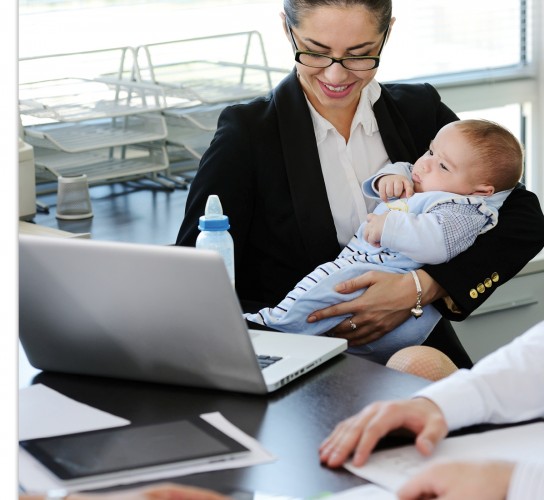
(353, 63)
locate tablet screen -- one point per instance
(105, 451)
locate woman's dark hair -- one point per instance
(382, 9)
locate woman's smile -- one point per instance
(336, 91)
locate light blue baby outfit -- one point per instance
(427, 228)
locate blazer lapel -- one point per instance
(396, 137)
(306, 182)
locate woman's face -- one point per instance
(336, 32)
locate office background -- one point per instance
(486, 59)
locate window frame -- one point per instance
(521, 84)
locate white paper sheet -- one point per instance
(33, 476)
(391, 468)
(365, 492)
(44, 412)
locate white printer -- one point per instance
(27, 182)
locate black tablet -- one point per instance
(134, 448)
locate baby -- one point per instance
(431, 211)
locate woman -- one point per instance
(288, 170)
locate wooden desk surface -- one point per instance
(290, 423)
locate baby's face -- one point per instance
(448, 165)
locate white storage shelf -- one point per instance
(93, 134)
(189, 69)
(105, 128)
(198, 85)
(106, 163)
(192, 128)
(169, 92)
(76, 99)
(212, 82)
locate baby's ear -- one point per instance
(484, 190)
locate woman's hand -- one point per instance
(459, 481)
(382, 307)
(360, 433)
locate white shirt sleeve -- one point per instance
(505, 386)
(527, 481)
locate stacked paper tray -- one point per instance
(75, 100)
(193, 128)
(105, 163)
(222, 68)
(93, 134)
(212, 82)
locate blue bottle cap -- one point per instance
(215, 223)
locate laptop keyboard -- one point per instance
(265, 361)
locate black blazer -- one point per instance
(264, 165)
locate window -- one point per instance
(481, 55)
(441, 38)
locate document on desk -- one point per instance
(391, 468)
(33, 476)
(58, 414)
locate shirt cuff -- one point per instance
(458, 399)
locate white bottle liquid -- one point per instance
(214, 233)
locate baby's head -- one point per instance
(476, 157)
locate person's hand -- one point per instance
(360, 433)
(162, 491)
(385, 304)
(459, 481)
(394, 186)
(374, 229)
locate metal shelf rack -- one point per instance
(106, 164)
(109, 127)
(200, 76)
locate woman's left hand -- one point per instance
(382, 307)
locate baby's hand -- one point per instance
(394, 186)
(374, 229)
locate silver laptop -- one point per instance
(151, 313)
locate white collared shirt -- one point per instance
(346, 166)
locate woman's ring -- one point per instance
(352, 325)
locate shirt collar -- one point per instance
(365, 112)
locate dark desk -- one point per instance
(289, 423)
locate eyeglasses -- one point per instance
(353, 63)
